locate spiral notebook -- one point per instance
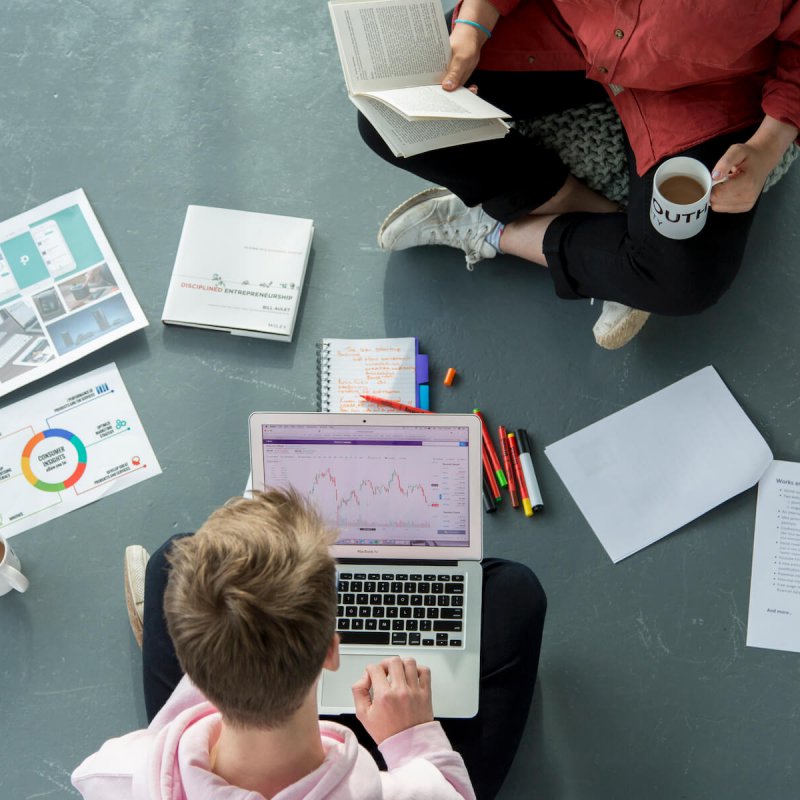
(389, 368)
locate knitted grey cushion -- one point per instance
(590, 142)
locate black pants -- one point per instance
(514, 606)
(608, 256)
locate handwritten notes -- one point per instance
(349, 368)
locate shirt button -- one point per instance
(619, 33)
(531, 59)
(602, 69)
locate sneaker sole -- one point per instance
(414, 200)
(621, 334)
(133, 615)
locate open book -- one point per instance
(394, 54)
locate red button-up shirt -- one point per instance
(678, 71)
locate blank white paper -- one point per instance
(774, 617)
(651, 468)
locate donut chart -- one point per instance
(53, 433)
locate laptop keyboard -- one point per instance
(401, 609)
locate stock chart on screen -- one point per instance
(377, 485)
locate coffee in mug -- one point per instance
(682, 189)
(680, 203)
(11, 576)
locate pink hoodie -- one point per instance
(170, 761)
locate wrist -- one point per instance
(476, 26)
(467, 40)
(480, 11)
(773, 137)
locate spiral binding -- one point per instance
(323, 376)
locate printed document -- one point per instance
(774, 618)
(69, 446)
(63, 294)
(655, 466)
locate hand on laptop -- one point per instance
(393, 696)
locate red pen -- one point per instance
(487, 471)
(487, 441)
(512, 484)
(523, 489)
(382, 401)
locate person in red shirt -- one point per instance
(717, 81)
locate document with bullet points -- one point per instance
(774, 617)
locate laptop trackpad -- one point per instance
(336, 694)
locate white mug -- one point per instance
(680, 220)
(10, 575)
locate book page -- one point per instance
(352, 367)
(433, 102)
(658, 464)
(406, 138)
(774, 617)
(390, 44)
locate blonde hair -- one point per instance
(251, 605)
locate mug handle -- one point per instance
(17, 580)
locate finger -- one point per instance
(397, 672)
(377, 675)
(731, 203)
(733, 197)
(473, 88)
(731, 208)
(364, 682)
(425, 678)
(411, 672)
(728, 164)
(457, 72)
(361, 695)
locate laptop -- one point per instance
(404, 493)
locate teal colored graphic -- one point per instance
(77, 235)
(25, 261)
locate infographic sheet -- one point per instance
(70, 446)
(62, 291)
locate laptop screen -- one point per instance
(401, 485)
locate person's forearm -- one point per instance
(774, 136)
(480, 11)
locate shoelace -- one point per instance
(470, 241)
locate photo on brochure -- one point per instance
(63, 294)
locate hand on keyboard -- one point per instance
(393, 696)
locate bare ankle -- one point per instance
(574, 196)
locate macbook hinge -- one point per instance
(397, 561)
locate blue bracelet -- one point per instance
(475, 25)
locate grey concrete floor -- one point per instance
(646, 687)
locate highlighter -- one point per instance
(523, 491)
(526, 462)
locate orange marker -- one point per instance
(449, 377)
(487, 471)
(502, 434)
(492, 453)
(523, 489)
(382, 401)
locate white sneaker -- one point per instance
(618, 324)
(437, 216)
(136, 558)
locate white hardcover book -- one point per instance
(239, 271)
